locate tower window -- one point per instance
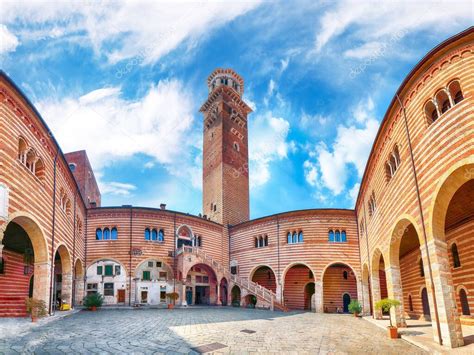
(455, 254)
(344, 275)
(236, 146)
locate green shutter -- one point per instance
(146, 276)
(109, 270)
(99, 270)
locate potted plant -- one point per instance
(355, 308)
(385, 305)
(36, 308)
(172, 297)
(93, 301)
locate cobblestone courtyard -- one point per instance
(178, 331)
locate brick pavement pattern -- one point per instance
(161, 331)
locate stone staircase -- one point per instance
(262, 293)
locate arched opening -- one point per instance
(109, 278)
(235, 296)
(201, 280)
(153, 279)
(184, 237)
(443, 101)
(406, 256)
(24, 268)
(338, 280)
(250, 301)
(425, 304)
(22, 150)
(366, 292)
(455, 92)
(346, 299)
(466, 311)
(431, 112)
(224, 291)
(309, 291)
(295, 279)
(62, 285)
(264, 276)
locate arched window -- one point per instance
(331, 236)
(114, 234)
(396, 154)
(337, 237)
(372, 205)
(236, 146)
(106, 233)
(431, 112)
(22, 150)
(455, 254)
(154, 234)
(199, 244)
(455, 91)
(98, 234)
(300, 237)
(295, 238)
(464, 304)
(288, 238)
(343, 236)
(344, 275)
(410, 303)
(443, 101)
(39, 169)
(161, 236)
(422, 270)
(266, 240)
(147, 233)
(256, 242)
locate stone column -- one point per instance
(79, 291)
(451, 101)
(318, 297)
(435, 102)
(376, 295)
(279, 292)
(41, 281)
(394, 288)
(449, 323)
(183, 295)
(219, 302)
(66, 288)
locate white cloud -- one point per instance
(312, 123)
(149, 165)
(110, 128)
(311, 173)
(267, 143)
(8, 41)
(350, 148)
(354, 192)
(369, 49)
(372, 21)
(125, 29)
(116, 188)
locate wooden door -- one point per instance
(121, 296)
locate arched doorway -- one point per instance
(366, 292)
(466, 311)
(295, 279)
(309, 290)
(264, 276)
(223, 291)
(346, 299)
(250, 301)
(425, 304)
(235, 296)
(201, 280)
(62, 283)
(339, 282)
(24, 266)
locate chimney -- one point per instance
(163, 206)
(204, 216)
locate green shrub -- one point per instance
(35, 307)
(172, 296)
(385, 305)
(355, 307)
(93, 300)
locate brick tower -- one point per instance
(225, 149)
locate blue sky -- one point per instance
(125, 81)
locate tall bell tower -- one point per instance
(225, 149)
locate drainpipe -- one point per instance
(278, 256)
(415, 180)
(175, 272)
(85, 252)
(368, 256)
(74, 254)
(130, 261)
(51, 284)
(360, 257)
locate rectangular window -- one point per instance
(91, 287)
(158, 264)
(99, 270)
(198, 279)
(108, 289)
(109, 270)
(188, 278)
(163, 275)
(233, 270)
(117, 270)
(162, 293)
(205, 279)
(146, 276)
(150, 264)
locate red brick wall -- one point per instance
(412, 283)
(264, 276)
(14, 285)
(334, 287)
(295, 281)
